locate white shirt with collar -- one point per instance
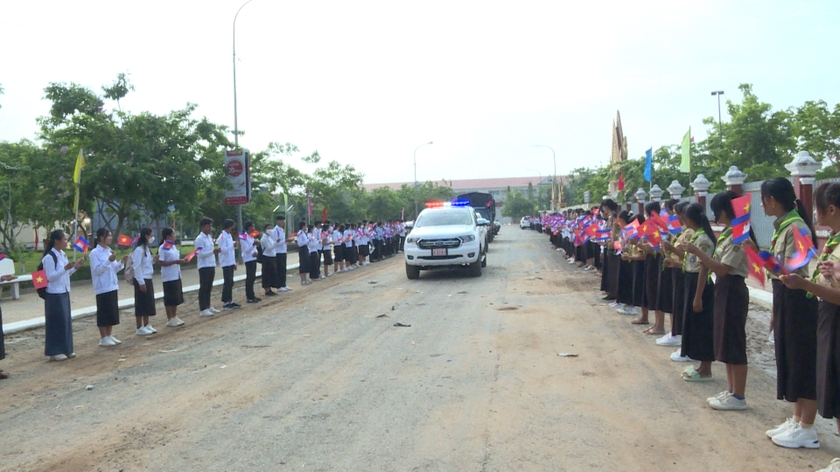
(268, 245)
(249, 249)
(141, 258)
(171, 272)
(58, 278)
(227, 257)
(314, 243)
(103, 271)
(302, 238)
(206, 258)
(280, 239)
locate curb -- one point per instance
(33, 323)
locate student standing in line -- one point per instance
(313, 245)
(794, 321)
(351, 255)
(103, 270)
(699, 299)
(732, 302)
(824, 284)
(227, 259)
(206, 254)
(677, 257)
(326, 238)
(653, 272)
(58, 342)
(280, 259)
(249, 257)
(169, 260)
(144, 291)
(269, 268)
(338, 248)
(624, 302)
(4, 375)
(666, 285)
(303, 253)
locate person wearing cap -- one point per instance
(227, 259)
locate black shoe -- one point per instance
(271, 294)
(253, 300)
(234, 306)
(608, 298)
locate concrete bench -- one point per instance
(7, 267)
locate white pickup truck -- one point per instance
(446, 236)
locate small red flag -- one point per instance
(123, 240)
(324, 215)
(804, 250)
(621, 181)
(39, 279)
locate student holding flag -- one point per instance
(665, 292)
(732, 298)
(227, 259)
(269, 268)
(144, 291)
(170, 261)
(698, 299)
(103, 270)
(58, 339)
(794, 321)
(249, 257)
(824, 284)
(653, 269)
(302, 240)
(676, 252)
(206, 252)
(634, 278)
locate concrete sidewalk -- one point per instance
(27, 312)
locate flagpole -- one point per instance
(76, 217)
(689, 156)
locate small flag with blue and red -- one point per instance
(81, 244)
(167, 245)
(243, 236)
(741, 223)
(805, 250)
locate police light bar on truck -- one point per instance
(453, 203)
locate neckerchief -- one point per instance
(786, 221)
(725, 234)
(832, 243)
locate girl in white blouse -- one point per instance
(58, 343)
(104, 267)
(144, 291)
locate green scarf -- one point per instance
(699, 232)
(827, 250)
(786, 221)
(725, 234)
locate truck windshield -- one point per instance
(484, 212)
(443, 218)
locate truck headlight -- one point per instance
(410, 240)
(468, 239)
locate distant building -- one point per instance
(496, 187)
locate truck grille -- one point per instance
(439, 243)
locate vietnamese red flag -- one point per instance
(804, 250)
(741, 223)
(655, 239)
(755, 264)
(123, 240)
(39, 279)
(254, 234)
(659, 222)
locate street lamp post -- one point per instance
(720, 127)
(553, 178)
(235, 116)
(416, 208)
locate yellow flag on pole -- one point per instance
(80, 164)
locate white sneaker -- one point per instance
(720, 395)
(284, 289)
(788, 424)
(728, 403)
(142, 331)
(669, 340)
(625, 310)
(834, 466)
(676, 356)
(116, 341)
(616, 305)
(150, 328)
(58, 358)
(174, 322)
(798, 437)
(106, 342)
(206, 312)
(213, 310)
(772, 338)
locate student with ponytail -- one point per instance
(653, 272)
(794, 321)
(732, 300)
(144, 291)
(170, 262)
(58, 338)
(636, 257)
(103, 270)
(666, 287)
(698, 300)
(624, 301)
(677, 256)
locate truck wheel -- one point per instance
(412, 272)
(475, 268)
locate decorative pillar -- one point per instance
(802, 169)
(734, 180)
(701, 188)
(655, 193)
(640, 197)
(675, 190)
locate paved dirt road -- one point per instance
(317, 380)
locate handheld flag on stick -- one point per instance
(254, 233)
(39, 279)
(81, 244)
(766, 260)
(674, 226)
(804, 250)
(191, 255)
(756, 263)
(741, 223)
(123, 240)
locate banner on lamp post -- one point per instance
(238, 173)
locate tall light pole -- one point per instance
(720, 127)
(553, 178)
(416, 210)
(235, 116)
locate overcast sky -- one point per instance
(364, 83)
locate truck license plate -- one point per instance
(440, 251)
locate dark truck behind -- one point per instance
(485, 205)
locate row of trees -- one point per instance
(141, 166)
(757, 139)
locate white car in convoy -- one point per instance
(524, 223)
(447, 235)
